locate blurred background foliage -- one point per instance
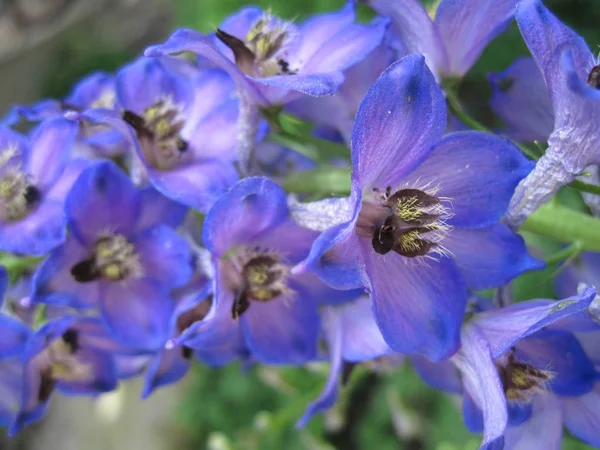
(235, 408)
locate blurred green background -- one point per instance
(233, 408)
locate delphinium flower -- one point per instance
(424, 214)
(35, 175)
(454, 39)
(570, 72)
(121, 257)
(520, 373)
(185, 126)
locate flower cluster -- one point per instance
(148, 219)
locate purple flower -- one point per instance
(35, 176)
(520, 98)
(275, 61)
(70, 355)
(185, 126)
(422, 222)
(352, 337)
(564, 60)
(521, 373)
(452, 42)
(121, 256)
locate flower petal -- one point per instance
(402, 115)
(466, 27)
(315, 84)
(137, 312)
(419, 307)
(582, 416)
(14, 336)
(477, 171)
(168, 367)
(441, 375)
(520, 98)
(503, 327)
(102, 376)
(165, 256)
(157, 209)
(416, 31)
(103, 198)
(542, 430)
(250, 208)
(491, 256)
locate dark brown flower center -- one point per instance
(594, 77)
(521, 380)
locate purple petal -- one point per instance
(315, 84)
(41, 230)
(11, 382)
(252, 207)
(403, 114)
(51, 145)
(14, 336)
(62, 185)
(137, 312)
(544, 34)
(144, 82)
(542, 430)
(12, 140)
(41, 110)
(102, 376)
(441, 375)
(491, 256)
(502, 328)
(477, 171)
(103, 198)
(482, 383)
(165, 256)
(419, 307)
(467, 26)
(361, 337)
(240, 22)
(91, 90)
(520, 98)
(215, 136)
(157, 209)
(416, 31)
(283, 330)
(582, 416)
(184, 40)
(168, 367)
(328, 395)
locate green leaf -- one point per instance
(323, 180)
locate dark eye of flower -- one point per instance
(71, 338)
(47, 384)
(114, 259)
(191, 316)
(594, 77)
(186, 352)
(521, 380)
(414, 224)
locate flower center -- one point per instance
(158, 130)
(114, 258)
(594, 77)
(263, 52)
(59, 362)
(521, 380)
(263, 278)
(411, 222)
(17, 195)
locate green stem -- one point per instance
(566, 253)
(585, 187)
(323, 180)
(565, 225)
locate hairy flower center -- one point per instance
(158, 130)
(521, 380)
(594, 77)
(17, 195)
(59, 362)
(114, 258)
(263, 278)
(263, 51)
(410, 222)
(107, 99)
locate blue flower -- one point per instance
(422, 222)
(564, 60)
(121, 256)
(276, 61)
(69, 354)
(452, 42)
(185, 123)
(35, 176)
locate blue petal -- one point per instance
(502, 328)
(441, 375)
(252, 207)
(165, 256)
(11, 383)
(467, 26)
(157, 209)
(14, 336)
(41, 110)
(520, 98)
(3, 283)
(416, 31)
(317, 84)
(91, 89)
(283, 330)
(401, 117)
(419, 307)
(491, 256)
(169, 366)
(582, 416)
(518, 413)
(240, 22)
(102, 377)
(103, 198)
(543, 430)
(478, 172)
